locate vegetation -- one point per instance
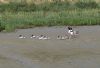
(22, 15)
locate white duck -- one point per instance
(46, 38)
(33, 36)
(71, 32)
(21, 36)
(41, 37)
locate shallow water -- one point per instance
(81, 52)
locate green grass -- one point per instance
(10, 21)
(22, 15)
(47, 6)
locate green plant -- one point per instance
(86, 5)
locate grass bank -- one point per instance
(21, 15)
(10, 21)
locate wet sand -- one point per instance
(81, 52)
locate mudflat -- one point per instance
(80, 52)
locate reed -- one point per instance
(21, 15)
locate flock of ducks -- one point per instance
(41, 37)
(70, 31)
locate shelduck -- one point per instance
(21, 36)
(33, 36)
